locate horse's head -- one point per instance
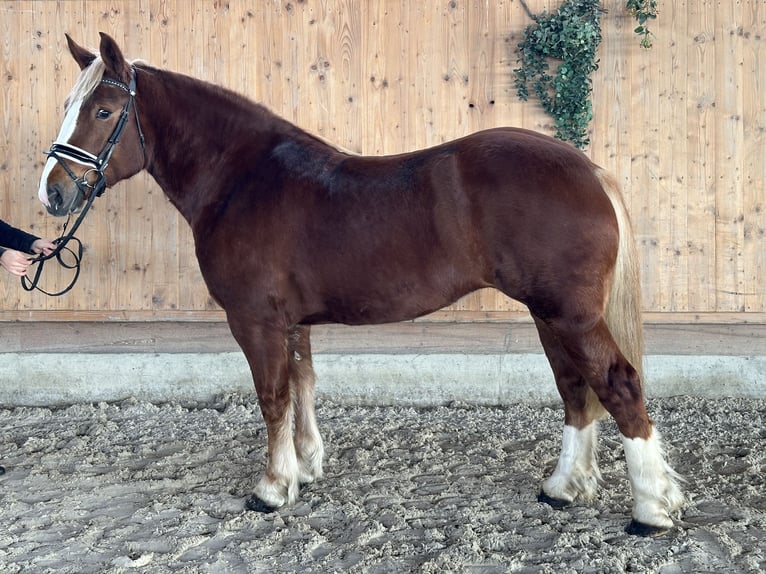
(100, 112)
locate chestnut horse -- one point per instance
(291, 232)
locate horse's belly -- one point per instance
(389, 301)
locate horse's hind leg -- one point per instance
(618, 387)
(308, 442)
(576, 474)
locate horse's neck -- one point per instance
(189, 151)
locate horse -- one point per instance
(290, 232)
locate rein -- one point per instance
(62, 151)
(61, 246)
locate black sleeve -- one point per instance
(12, 238)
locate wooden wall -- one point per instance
(683, 125)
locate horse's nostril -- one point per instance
(55, 198)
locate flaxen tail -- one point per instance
(623, 309)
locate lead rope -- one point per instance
(61, 246)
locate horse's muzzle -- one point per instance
(63, 202)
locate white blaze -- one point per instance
(66, 131)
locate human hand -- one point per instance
(44, 246)
(15, 262)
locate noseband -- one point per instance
(98, 164)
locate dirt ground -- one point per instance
(137, 487)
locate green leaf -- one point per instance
(571, 36)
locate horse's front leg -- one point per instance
(308, 442)
(265, 348)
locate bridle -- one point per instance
(97, 164)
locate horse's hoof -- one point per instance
(636, 528)
(257, 505)
(556, 503)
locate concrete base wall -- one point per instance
(48, 379)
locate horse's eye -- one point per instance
(103, 114)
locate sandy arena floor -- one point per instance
(135, 487)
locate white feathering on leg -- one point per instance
(576, 473)
(656, 494)
(279, 485)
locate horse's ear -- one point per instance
(82, 56)
(113, 59)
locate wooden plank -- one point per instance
(753, 34)
(25, 211)
(728, 159)
(382, 89)
(701, 164)
(10, 96)
(347, 39)
(672, 160)
(444, 316)
(399, 338)
(611, 133)
(650, 206)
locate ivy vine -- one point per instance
(643, 11)
(571, 35)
